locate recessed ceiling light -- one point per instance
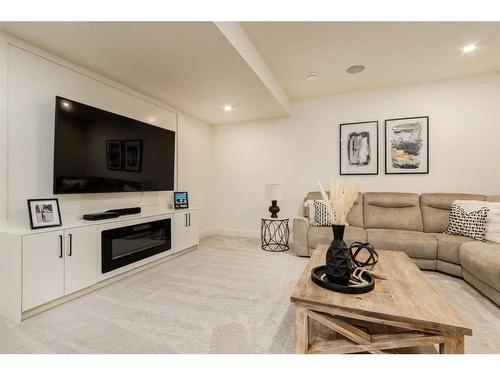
(469, 48)
(228, 108)
(354, 69)
(312, 75)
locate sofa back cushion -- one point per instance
(392, 211)
(355, 216)
(436, 209)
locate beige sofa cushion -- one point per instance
(484, 288)
(493, 198)
(482, 260)
(324, 235)
(300, 229)
(392, 211)
(436, 209)
(448, 247)
(355, 216)
(415, 244)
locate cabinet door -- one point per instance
(80, 258)
(192, 229)
(43, 268)
(179, 232)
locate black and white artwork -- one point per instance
(114, 155)
(359, 148)
(133, 156)
(44, 213)
(407, 145)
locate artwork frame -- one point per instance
(133, 155)
(181, 200)
(114, 155)
(365, 134)
(415, 159)
(44, 211)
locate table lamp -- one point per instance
(273, 193)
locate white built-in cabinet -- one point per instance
(58, 263)
(39, 269)
(43, 268)
(80, 259)
(185, 233)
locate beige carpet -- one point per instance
(226, 297)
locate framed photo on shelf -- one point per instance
(407, 145)
(359, 148)
(44, 213)
(181, 200)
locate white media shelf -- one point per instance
(39, 269)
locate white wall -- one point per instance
(3, 126)
(195, 144)
(464, 147)
(33, 79)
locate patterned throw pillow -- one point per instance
(469, 224)
(492, 221)
(321, 215)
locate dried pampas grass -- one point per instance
(343, 194)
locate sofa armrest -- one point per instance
(300, 229)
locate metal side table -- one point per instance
(274, 234)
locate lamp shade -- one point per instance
(274, 192)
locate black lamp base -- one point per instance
(274, 209)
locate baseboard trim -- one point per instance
(207, 233)
(229, 233)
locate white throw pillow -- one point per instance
(492, 220)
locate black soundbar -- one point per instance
(126, 211)
(112, 214)
(101, 216)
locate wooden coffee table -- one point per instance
(402, 314)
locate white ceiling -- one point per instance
(198, 67)
(189, 65)
(394, 53)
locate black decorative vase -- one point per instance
(339, 265)
(274, 209)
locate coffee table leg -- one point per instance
(452, 345)
(301, 330)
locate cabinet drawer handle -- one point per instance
(185, 220)
(60, 246)
(70, 244)
(189, 216)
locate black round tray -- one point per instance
(319, 278)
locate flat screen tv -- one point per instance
(96, 151)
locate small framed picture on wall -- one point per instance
(133, 155)
(114, 155)
(181, 200)
(407, 145)
(44, 213)
(359, 148)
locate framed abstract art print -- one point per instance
(359, 148)
(407, 145)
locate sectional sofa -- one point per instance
(415, 224)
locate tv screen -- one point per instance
(96, 151)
